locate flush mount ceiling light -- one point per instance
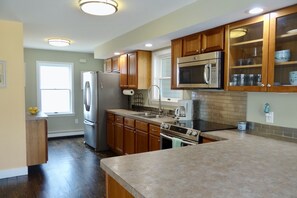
(59, 42)
(239, 32)
(98, 7)
(256, 10)
(116, 53)
(148, 45)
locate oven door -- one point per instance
(166, 141)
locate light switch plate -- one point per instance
(269, 117)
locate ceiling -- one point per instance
(43, 19)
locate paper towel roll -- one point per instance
(128, 92)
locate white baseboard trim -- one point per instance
(65, 133)
(13, 172)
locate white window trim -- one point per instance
(150, 94)
(38, 64)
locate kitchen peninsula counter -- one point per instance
(242, 165)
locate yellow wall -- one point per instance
(12, 98)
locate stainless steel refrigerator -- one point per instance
(101, 91)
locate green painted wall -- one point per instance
(284, 106)
(61, 123)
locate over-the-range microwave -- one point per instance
(201, 71)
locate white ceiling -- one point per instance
(43, 19)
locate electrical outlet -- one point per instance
(76, 121)
(269, 117)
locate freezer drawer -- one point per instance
(90, 135)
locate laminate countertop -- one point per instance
(38, 116)
(136, 115)
(242, 165)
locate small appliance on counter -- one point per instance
(187, 110)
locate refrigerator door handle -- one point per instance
(87, 96)
(89, 123)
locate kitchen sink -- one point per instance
(148, 115)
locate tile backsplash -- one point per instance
(221, 106)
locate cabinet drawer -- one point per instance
(154, 129)
(143, 126)
(129, 122)
(119, 119)
(110, 116)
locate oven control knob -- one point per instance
(194, 133)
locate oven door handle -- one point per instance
(168, 137)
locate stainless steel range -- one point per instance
(188, 131)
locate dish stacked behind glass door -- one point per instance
(245, 80)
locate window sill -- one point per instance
(60, 114)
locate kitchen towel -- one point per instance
(176, 142)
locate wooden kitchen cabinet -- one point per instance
(207, 41)
(192, 44)
(176, 52)
(119, 135)
(154, 137)
(110, 131)
(141, 139)
(123, 64)
(137, 74)
(250, 63)
(129, 136)
(114, 189)
(36, 141)
(108, 65)
(115, 64)
(283, 36)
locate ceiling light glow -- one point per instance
(99, 7)
(59, 42)
(256, 10)
(117, 53)
(148, 45)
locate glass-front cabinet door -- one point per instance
(247, 54)
(282, 70)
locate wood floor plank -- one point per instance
(73, 170)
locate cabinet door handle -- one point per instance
(202, 50)
(268, 85)
(262, 85)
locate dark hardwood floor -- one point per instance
(72, 170)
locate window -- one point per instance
(162, 77)
(55, 87)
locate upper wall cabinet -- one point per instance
(207, 41)
(261, 53)
(107, 65)
(176, 51)
(115, 64)
(135, 69)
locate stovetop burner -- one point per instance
(202, 125)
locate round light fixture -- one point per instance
(239, 32)
(256, 10)
(59, 42)
(117, 53)
(98, 7)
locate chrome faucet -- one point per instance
(160, 105)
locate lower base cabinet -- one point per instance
(114, 189)
(36, 141)
(154, 137)
(128, 136)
